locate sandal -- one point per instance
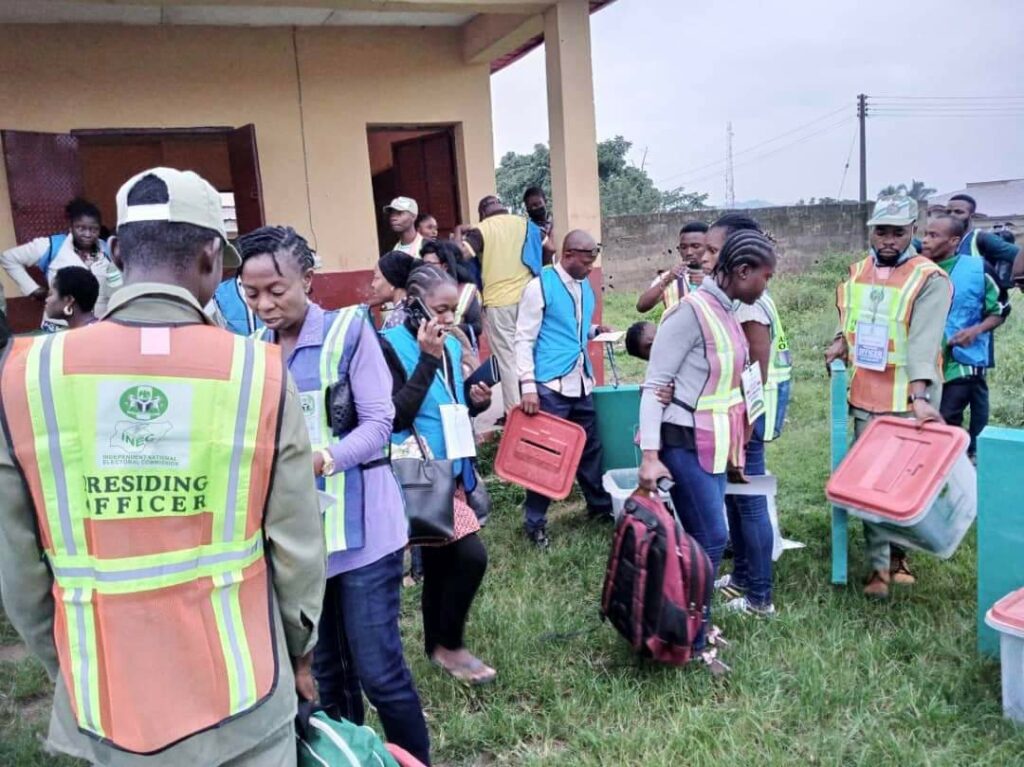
(467, 673)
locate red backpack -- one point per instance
(659, 582)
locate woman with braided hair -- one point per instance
(748, 588)
(425, 362)
(359, 649)
(701, 350)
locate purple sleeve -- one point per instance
(371, 391)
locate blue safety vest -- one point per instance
(967, 310)
(234, 309)
(56, 243)
(428, 419)
(562, 339)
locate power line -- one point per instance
(755, 146)
(846, 167)
(776, 150)
(945, 98)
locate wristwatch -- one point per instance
(922, 395)
(328, 467)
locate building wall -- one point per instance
(636, 247)
(348, 78)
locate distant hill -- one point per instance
(747, 204)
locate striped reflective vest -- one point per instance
(344, 519)
(780, 368)
(466, 297)
(720, 414)
(865, 297)
(149, 475)
(675, 291)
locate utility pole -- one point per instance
(730, 178)
(862, 111)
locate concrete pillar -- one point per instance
(571, 122)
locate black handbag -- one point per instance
(480, 500)
(429, 490)
(341, 407)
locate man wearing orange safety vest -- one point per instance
(161, 548)
(892, 313)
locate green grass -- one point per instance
(833, 680)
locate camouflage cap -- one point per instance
(894, 210)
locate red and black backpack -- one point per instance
(658, 584)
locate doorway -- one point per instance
(416, 162)
(45, 170)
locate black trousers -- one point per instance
(451, 576)
(967, 392)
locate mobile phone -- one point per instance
(419, 311)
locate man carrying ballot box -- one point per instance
(892, 312)
(554, 367)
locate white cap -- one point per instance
(191, 199)
(403, 205)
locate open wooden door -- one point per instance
(425, 170)
(245, 178)
(43, 175)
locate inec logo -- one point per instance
(143, 403)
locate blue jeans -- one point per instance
(698, 498)
(751, 530)
(360, 650)
(579, 410)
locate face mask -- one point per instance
(539, 215)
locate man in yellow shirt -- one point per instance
(510, 251)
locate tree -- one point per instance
(917, 190)
(625, 189)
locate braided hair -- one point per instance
(425, 279)
(736, 222)
(274, 240)
(744, 248)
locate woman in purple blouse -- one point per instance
(359, 647)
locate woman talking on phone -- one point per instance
(359, 649)
(425, 364)
(700, 348)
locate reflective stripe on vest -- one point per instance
(674, 291)
(968, 310)
(149, 476)
(338, 535)
(344, 519)
(862, 299)
(465, 301)
(720, 413)
(780, 366)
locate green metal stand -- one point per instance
(840, 441)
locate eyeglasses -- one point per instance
(596, 251)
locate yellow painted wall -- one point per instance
(164, 77)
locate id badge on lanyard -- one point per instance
(753, 392)
(871, 345)
(312, 403)
(459, 440)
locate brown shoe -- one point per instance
(878, 585)
(900, 572)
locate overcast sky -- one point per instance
(669, 75)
